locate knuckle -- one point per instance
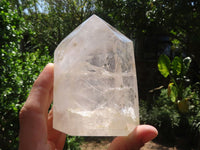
(23, 113)
(28, 112)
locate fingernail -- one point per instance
(150, 136)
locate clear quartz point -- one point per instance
(95, 85)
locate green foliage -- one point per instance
(172, 92)
(57, 21)
(177, 70)
(176, 65)
(26, 31)
(162, 114)
(20, 64)
(180, 103)
(186, 65)
(164, 65)
(73, 143)
(18, 71)
(177, 19)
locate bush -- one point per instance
(17, 78)
(73, 143)
(19, 68)
(18, 72)
(170, 122)
(162, 114)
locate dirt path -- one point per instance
(154, 146)
(98, 144)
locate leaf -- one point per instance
(169, 89)
(173, 94)
(186, 64)
(183, 106)
(164, 65)
(177, 65)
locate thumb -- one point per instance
(136, 139)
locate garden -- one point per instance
(166, 37)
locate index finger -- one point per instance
(40, 96)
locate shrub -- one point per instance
(162, 114)
(175, 112)
(18, 71)
(73, 142)
(17, 78)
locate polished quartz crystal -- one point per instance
(95, 85)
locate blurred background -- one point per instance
(166, 36)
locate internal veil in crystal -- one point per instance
(95, 85)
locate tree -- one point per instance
(58, 20)
(18, 71)
(177, 19)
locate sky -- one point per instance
(41, 5)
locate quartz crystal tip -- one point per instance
(95, 84)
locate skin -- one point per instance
(36, 129)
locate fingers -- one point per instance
(136, 139)
(61, 141)
(33, 115)
(40, 96)
(56, 138)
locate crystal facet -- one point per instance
(95, 85)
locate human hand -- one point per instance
(36, 131)
(135, 140)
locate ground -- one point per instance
(103, 143)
